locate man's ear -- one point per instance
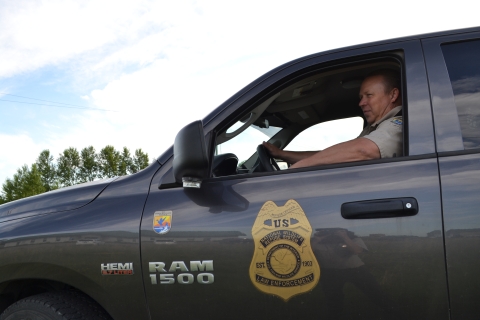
(394, 94)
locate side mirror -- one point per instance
(190, 161)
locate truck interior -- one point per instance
(314, 98)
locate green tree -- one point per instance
(47, 169)
(68, 166)
(9, 188)
(25, 183)
(88, 170)
(71, 168)
(126, 162)
(109, 162)
(140, 161)
(33, 182)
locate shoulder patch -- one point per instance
(397, 121)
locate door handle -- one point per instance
(381, 208)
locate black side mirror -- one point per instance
(190, 161)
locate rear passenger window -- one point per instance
(463, 64)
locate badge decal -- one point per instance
(162, 221)
(283, 263)
(397, 121)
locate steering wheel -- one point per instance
(268, 163)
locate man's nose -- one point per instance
(362, 103)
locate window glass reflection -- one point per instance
(463, 64)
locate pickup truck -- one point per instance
(215, 228)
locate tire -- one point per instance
(63, 305)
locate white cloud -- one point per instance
(17, 151)
(105, 33)
(39, 33)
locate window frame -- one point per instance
(276, 80)
(448, 131)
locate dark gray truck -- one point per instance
(211, 230)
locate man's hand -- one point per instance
(287, 156)
(272, 150)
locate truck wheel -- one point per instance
(64, 305)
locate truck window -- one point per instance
(463, 68)
(326, 134)
(243, 144)
(309, 113)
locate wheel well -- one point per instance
(12, 291)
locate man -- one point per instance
(380, 101)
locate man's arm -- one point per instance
(287, 156)
(352, 150)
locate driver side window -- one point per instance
(245, 143)
(326, 134)
(310, 113)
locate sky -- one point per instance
(133, 73)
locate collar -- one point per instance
(389, 115)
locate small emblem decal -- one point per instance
(162, 221)
(397, 121)
(283, 263)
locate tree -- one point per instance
(71, 168)
(33, 182)
(47, 170)
(126, 162)
(140, 161)
(68, 167)
(10, 188)
(108, 162)
(88, 170)
(25, 183)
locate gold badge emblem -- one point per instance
(283, 263)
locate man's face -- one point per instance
(375, 103)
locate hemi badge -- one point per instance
(117, 269)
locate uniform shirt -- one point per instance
(387, 134)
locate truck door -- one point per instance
(454, 75)
(255, 244)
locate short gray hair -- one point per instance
(391, 78)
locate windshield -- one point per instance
(245, 144)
